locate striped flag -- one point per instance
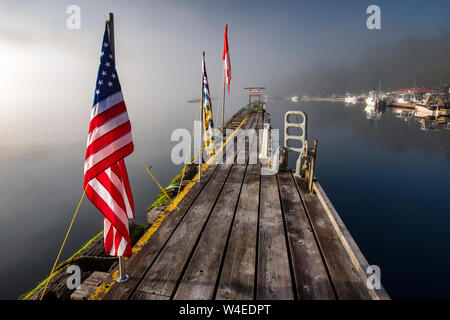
(226, 59)
(109, 142)
(207, 113)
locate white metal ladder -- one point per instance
(282, 151)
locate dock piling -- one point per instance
(313, 165)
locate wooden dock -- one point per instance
(242, 235)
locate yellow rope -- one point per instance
(64, 242)
(154, 179)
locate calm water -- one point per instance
(387, 178)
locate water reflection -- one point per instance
(429, 120)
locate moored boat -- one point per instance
(434, 101)
(371, 99)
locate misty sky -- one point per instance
(47, 72)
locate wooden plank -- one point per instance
(310, 274)
(346, 281)
(346, 238)
(273, 275)
(139, 295)
(238, 273)
(200, 278)
(88, 287)
(163, 275)
(242, 148)
(138, 264)
(230, 152)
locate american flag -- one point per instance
(109, 142)
(207, 112)
(226, 58)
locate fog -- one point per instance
(409, 62)
(48, 72)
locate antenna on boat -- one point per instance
(379, 87)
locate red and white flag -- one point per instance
(109, 142)
(226, 59)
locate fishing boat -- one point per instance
(409, 97)
(371, 99)
(434, 101)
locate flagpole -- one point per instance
(122, 277)
(223, 103)
(200, 155)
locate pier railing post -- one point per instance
(313, 164)
(123, 277)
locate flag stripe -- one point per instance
(107, 115)
(105, 163)
(106, 103)
(108, 138)
(107, 127)
(105, 152)
(114, 174)
(107, 205)
(126, 187)
(114, 192)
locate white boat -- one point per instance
(371, 99)
(434, 101)
(295, 99)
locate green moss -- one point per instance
(137, 234)
(161, 199)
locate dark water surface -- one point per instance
(387, 178)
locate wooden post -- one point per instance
(313, 164)
(110, 23)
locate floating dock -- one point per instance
(242, 235)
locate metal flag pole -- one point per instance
(122, 277)
(223, 102)
(200, 154)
